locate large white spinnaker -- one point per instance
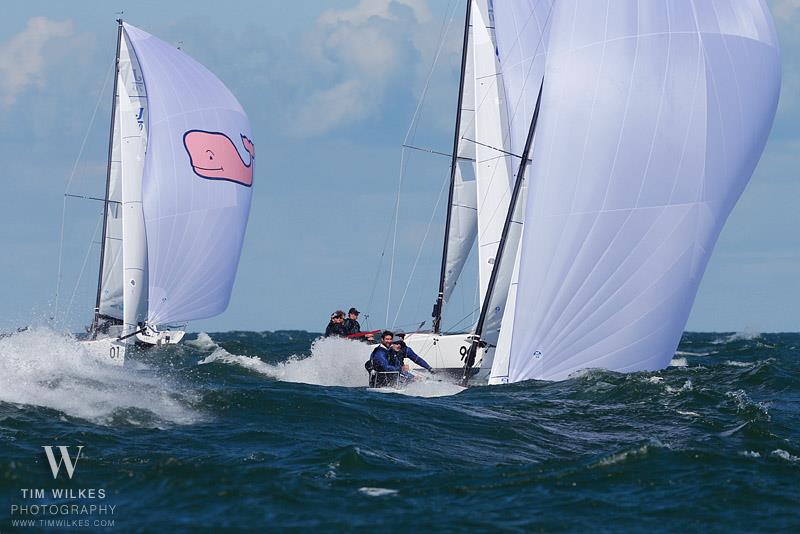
(653, 117)
(196, 187)
(521, 31)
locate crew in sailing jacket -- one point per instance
(384, 365)
(407, 352)
(336, 325)
(352, 327)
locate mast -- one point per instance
(437, 308)
(476, 338)
(108, 182)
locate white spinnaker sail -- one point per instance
(493, 163)
(196, 187)
(463, 214)
(653, 117)
(133, 127)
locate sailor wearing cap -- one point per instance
(352, 326)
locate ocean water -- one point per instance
(273, 430)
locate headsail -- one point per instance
(654, 116)
(196, 184)
(493, 160)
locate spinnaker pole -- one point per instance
(476, 337)
(437, 308)
(108, 183)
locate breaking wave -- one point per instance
(333, 362)
(40, 367)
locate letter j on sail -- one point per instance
(66, 460)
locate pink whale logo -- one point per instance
(214, 156)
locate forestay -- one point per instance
(653, 117)
(196, 186)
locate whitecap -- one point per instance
(785, 455)
(203, 342)
(40, 367)
(734, 363)
(687, 386)
(333, 362)
(378, 492)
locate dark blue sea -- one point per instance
(265, 431)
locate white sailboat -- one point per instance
(481, 183)
(640, 125)
(178, 190)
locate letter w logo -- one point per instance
(55, 467)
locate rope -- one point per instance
(69, 182)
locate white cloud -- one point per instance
(22, 58)
(357, 54)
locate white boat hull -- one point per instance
(446, 353)
(151, 336)
(107, 349)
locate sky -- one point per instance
(331, 88)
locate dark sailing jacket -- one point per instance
(383, 361)
(335, 329)
(351, 326)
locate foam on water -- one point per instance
(40, 367)
(203, 342)
(333, 362)
(377, 492)
(747, 335)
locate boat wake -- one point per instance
(40, 367)
(332, 362)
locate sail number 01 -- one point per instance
(114, 352)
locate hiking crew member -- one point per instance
(336, 325)
(385, 362)
(407, 352)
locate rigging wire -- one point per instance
(83, 267)
(69, 183)
(421, 246)
(410, 133)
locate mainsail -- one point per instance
(196, 183)
(463, 207)
(130, 114)
(653, 118)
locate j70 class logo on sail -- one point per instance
(66, 460)
(214, 156)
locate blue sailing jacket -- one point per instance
(409, 353)
(383, 362)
